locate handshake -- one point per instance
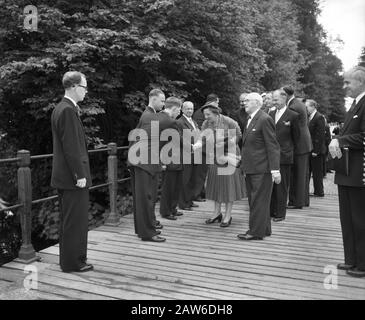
(334, 149)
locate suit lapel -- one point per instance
(251, 125)
(187, 123)
(350, 115)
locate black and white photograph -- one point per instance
(196, 151)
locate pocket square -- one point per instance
(253, 129)
(355, 116)
(287, 123)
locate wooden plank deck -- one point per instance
(201, 261)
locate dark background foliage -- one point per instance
(188, 48)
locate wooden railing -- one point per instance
(27, 253)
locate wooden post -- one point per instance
(26, 252)
(113, 218)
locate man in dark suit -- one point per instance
(190, 170)
(317, 129)
(172, 182)
(351, 184)
(327, 141)
(240, 115)
(261, 165)
(71, 174)
(145, 166)
(156, 101)
(287, 132)
(298, 190)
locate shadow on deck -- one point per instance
(200, 261)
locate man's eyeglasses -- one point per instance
(85, 87)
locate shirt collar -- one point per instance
(72, 100)
(78, 109)
(152, 109)
(290, 100)
(358, 98)
(282, 110)
(189, 118)
(313, 114)
(254, 113)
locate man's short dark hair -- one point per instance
(72, 78)
(155, 93)
(288, 90)
(172, 102)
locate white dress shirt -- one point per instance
(190, 120)
(279, 113)
(312, 115)
(287, 104)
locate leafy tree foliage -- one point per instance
(188, 48)
(321, 74)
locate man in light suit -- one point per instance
(298, 190)
(287, 132)
(317, 129)
(71, 174)
(351, 186)
(190, 170)
(261, 166)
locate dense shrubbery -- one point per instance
(188, 48)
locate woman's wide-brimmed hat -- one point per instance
(211, 104)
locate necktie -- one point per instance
(277, 115)
(353, 106)
(248, 121)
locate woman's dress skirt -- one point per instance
(224, 188)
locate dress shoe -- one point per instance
(226, 224)
(85, 268)
(170, 217)
(177, 213)
(193, 205)
(278, 219)
(187, 209)
(344, 266)
(355, 272)
(248, 237)
(199, 199)
(160, 226)
(157, 223)
(294, 207)
(158, 232)
(218, 218)
(154, 239)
